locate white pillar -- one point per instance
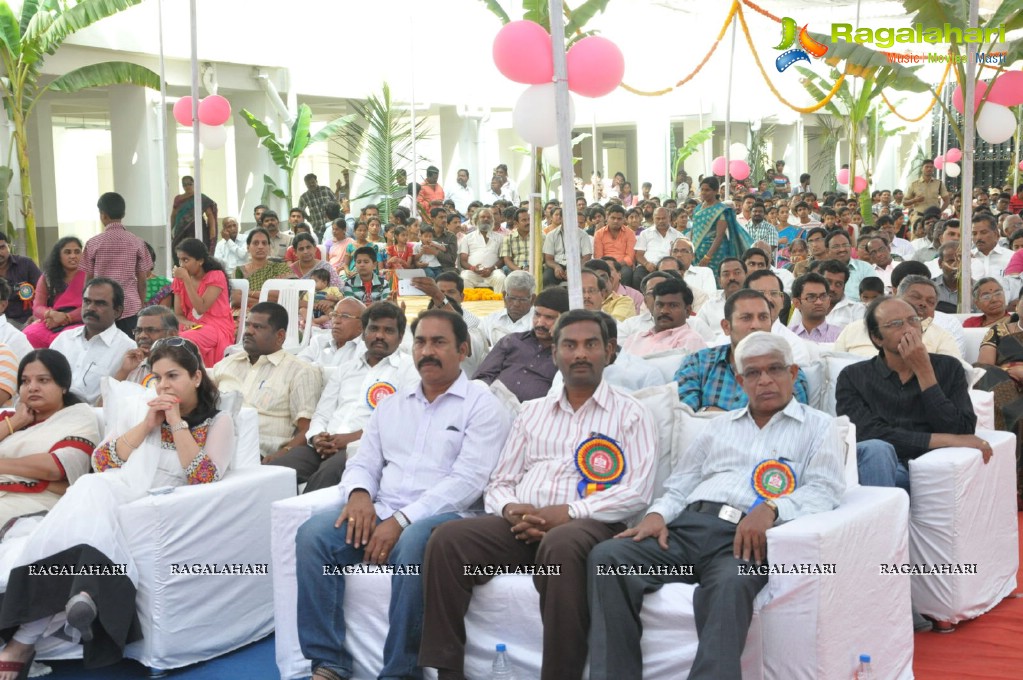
(135, 149)
(43, 177)
(653, 150)
(252, 160)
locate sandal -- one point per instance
(327, 674)
(20, 667)
(81, 612)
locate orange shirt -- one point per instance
(622, 248)
(428, 193)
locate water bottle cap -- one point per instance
(864, 658)
(502, 648)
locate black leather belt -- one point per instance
(720, 510)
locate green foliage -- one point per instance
(550, 174)
(830, 129)
(107, 73)
(691, 146)
(758, 160)
(582, 14)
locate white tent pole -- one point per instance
(570, 220)
(969, 136)
(728, 117)
(162, 121)
(412, 112)
(195, 121)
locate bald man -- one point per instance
(344, 340)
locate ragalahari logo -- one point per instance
(807, 45)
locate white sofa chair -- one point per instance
(191, 618)
(803, 626)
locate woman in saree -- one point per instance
(259, 268)
(989, 298)
(337, 245)
(182, 217)
(715, 232)
(202, 301)
(58, 296)
(46, 442)
(182, 438)
(1001, 355)
(307, 260)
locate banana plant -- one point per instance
(27, 37)
(691, 146)
(758, 160)
(286, 155)
(382, 135)
(550, 174)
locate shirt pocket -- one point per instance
(441, 451)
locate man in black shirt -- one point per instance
(904, 402)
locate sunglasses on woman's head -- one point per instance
(177, 341)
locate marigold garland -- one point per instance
(480, 295)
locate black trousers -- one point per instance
(317, 473)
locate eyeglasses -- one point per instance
(838, 246)
(876, 251)
(688, 251)
(773, 372)
(914, 321)
(333, 316)
(773, 293)
(517, 300)
(139, 330)
(814, 297)
(987, 297)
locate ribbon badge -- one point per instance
(26, 291)
(601, 463)
(378, 391)
(772, 478)
(149, 381)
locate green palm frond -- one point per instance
(103, 74)
(495, 7)
(691, 146)
(579, 16)
(81, 15)
(10, 33)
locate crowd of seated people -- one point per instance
(744, 291)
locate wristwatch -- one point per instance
(180, 426)
(771, 504)
(401, 519)
(572, 513)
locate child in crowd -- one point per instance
(400, 253)
(426, 253)
(324, 291)
(870, 288)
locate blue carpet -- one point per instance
(253, 662)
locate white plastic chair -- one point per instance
(289, 293)
(241, 285)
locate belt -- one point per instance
(721, 510)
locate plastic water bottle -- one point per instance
(863, 671)
(502, 669)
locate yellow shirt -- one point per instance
(855, 339)
(621, 307)
(932, 193)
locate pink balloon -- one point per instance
(939, 163)
(1021, 165)
(595, 66)
(1007, 90)
(214, 110)
(843, 176)
(958, 97)
(739, 170)
(522, 53)
(953, 155)
(183, 111)
(718, 166)
(859, 184)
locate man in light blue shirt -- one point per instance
(710, 518)
(425, 456)
(839, 247)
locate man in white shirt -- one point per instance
(343, 343)
(462, 194)
(991, 259)
(96, 348)
(230, 250)
(757, 259)
(672, 301)
(768, 283)
(711, 516)
(844, 310)
(517, 315)
(731, 275)
(394, 499)
(480, 254)
(881, 259)
(10, 335)
(494, 193)
(351, 395)
(542, 509)
(694, 276)
(653, 244)
(155, 323)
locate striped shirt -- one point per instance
(8, 372)
(720, 461)
(538, 463)
(119, 255)
(516, 248)
(705, 379)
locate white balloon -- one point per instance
(533, 117)
(995, 124)
(212, 136)
(550, 156)
(952, 169)
(738, 152)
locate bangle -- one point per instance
(9, 426)
(127, 441)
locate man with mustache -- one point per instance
(479, 254)
(351, 395)
(523, 361)
(731, 275)
(95, 349)
(672, 301)
(281, 387)
(343, 343)
(154, 323)
(425, 456)
(543, 510)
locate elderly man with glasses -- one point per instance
(517, 315)
(344, 342)
(154, 323)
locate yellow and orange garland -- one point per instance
(480, 295)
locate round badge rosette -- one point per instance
(149, 381)
(378, 391)
(26, 291)
(601, 463)
(773, 479)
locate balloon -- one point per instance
(595, 66)
(522, 52)
(212, 136)
(533, 117)
(843, 177)
(183, 111)
(859, 184)
(939, 163)
(214, 110)
(958, 97)
(995, 123)
(718, 166)
(737, 151)
(953, 155)
(952, 169)
(738, 169)
(1021, 165)
(551, 156)
(1007, 90)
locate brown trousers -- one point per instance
(484, 541)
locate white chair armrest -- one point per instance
(286, 517)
